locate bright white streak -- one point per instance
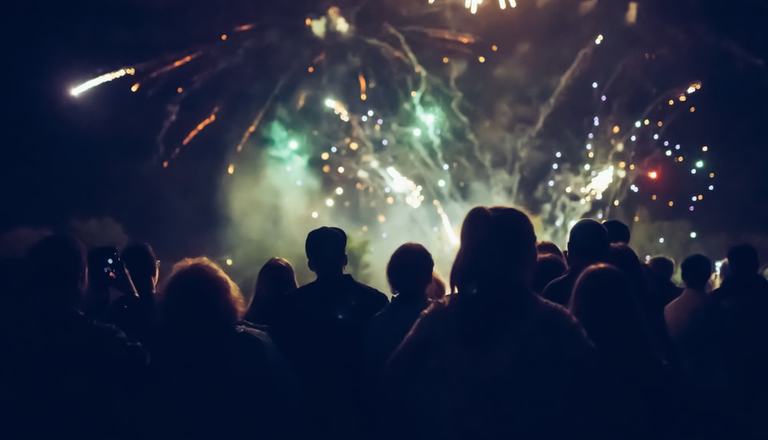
(601, 181)
(101, 79)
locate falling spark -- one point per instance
(200, 127)
(175, 65)
(101, 79)
(363, 87)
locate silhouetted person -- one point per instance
(214, 378)
(587, 244)
(409, 273)
(624, 258)
(661, 271)
(695, 330)
(548, 247)
(137, 314)
(322, 333)
(605, 304)
(276, 279)
(548, 268)
(78, 375)
(682, 314)
(618, 232)
(493, 360)
(743, 300)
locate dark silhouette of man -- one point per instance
(78, 375)
(662, 288)
(409, 273)
(587, 244)
(618, 232)
(136, 314)
(743, 299)
(321, 330)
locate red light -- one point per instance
(653, 175)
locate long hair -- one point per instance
(604, 303)
(276, 278)
(498, 248)
(199, 294)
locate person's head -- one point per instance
(437, 288)
(622, 257)
(618, 232)
(548, 247)
(276, 277)
(58, 271)
(696, 271)
(142, 265)
(662, 267)
(498, 250)
(603, 302)
(743, 260)
(199, 295)
(548, 267)
(409, 271)
(326, 249)
(587, 243)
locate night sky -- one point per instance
(95, 157)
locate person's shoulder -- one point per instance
(113, 341)
(373, 294)
(553, 315)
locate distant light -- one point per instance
(594, 85)
(229, 261)
(417, 132)
(481, 59)
(693, 234)
(599, 39)
(315, 214)
(441, 183)
(555, 166)
(558, 155)
(653, 174)
(339, 191)
(293, 144)
(661, 240)
(446, 167)
(329, 202)
(699, 164)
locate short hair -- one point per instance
(57, 268)
(663, 267)
(618, 232)
(326, 245)
(743, 259)
(548, 267)
(696, 271)
(410, 268)
(140, 260)
(549, 248)
(587, 241)
(200, 294)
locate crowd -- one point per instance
(525, 340)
